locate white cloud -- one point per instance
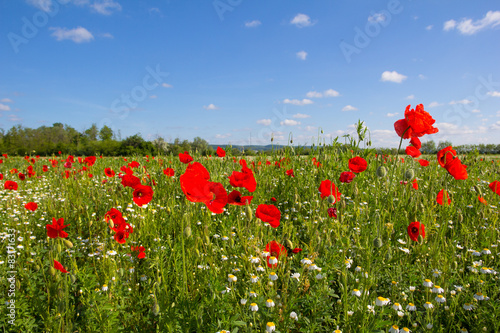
(494, 93)
(476, 111)
(331, 93)
(106, 7)
(210, 107)
(302, 55)
(166, 85)
(434, 104)
(495, 126)
(302, 20)
(452, 129)
(463, 102)
(392, 114)
(222, 136)
(13, 117)
(311, 128)
(392, 77)
(4, 107)
(305, 101)
(449, 25)
(429, 27)
(77, 35)
(290, 122)
(314, 94)
(265, 122)
(349, 108)
(107, 35)
(252, 24)
(6, 100)
(377, 17)
(410, 97)
(44, 5)
(468, 27)
(301, 116)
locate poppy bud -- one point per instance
(68, 243)
(381, 171)
(478, 190)
(356, 191)
(58, 247)
(187, 232)
(122, 272)
(289, 244)
(299, 205)
(168, 210)
(155, 308)
(455, 265)
(420, 239)
(331, 199)
(409, 174)
(249, 213)
(73, 278)
(52, 271)
(460, 218)
(60, 307)
(321, 131)
(377, 242)
(37, 268)
(388, 256)
(481, 214)
(111, 224)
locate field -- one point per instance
(298, 257)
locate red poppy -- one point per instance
(112, 214)
(495, 186)
(328, 188)
(456, 169)
(133, 164)
(415, 229)
(54, 163)
(481, 200)
(416, 142)
(31, 206)
(217, 197)
(185, 157)
(416, 123)
(55, 229)
(357, 164)
(423, 163)
(297, 250)
(10, 185)
(332, 212)
(1, 176)
(273, 199)
(21, 176)
(413, 152)
(290, 173)
(169, 172)
(276, 250)
(445, 155)
(245, 179)
(235, 198)
(59, 267)
(142, 195)
(443, 198)
(121, 236)
(130, 181)
(415, 184)
(347, 177)
(90, 160)
(68, 164)
(269, 214)
(109, 172)
(220, 152)
(139, 249)
(70, 159)
(66, 174)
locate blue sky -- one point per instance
(241, 71)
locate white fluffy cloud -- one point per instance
(410, 97)
(222, 136)
(265, 122)
(77, 35)
(326, 93)
(210, 107)
(4, 107)
(392, 114)
(106, 7)
(166, 85)
(6, 100)
(301, 20)
(301, 116)
(305, 101)
(392, 77)
(469, 27)
(377, 17)
(45, 5)
(314, 94)
(331, 93)
(290, 122)
(463, 102)
(434, 104)
(302, 55)
(349, 108)
(494, 93)
(252, 24)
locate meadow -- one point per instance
(344, 240)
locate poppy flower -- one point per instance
(443, 198)
(415, 184)
(245, 179)
(357, 164)
(290, 173)
(297, 250)
(112, 214)
(55, 229)
(90, 160)
(185, 157)
(31, 206)
(218, 197)
(328, 188)
(413, 152)
(142, 195)
(273, 199)
(416, 143)
(169, 172)
(276, 250)
(130, 181)
(59, 267)
(235, 198)
(109, 172)
(423, 162)
(139, 249)
(416, 123)
(269, 214)
(10, 185)
(54, 163)
(133, 164)
(21, 176)
(445, 155)
(332, 212)
(347, 177)
(495, 186)
(415, 229)
(121, 236)
(481, 200)
(456, 169)
(220, 152)
(1, 176)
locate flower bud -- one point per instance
(381, 171)
(331, 199)
(68, 243)
(52, 271)
(111, 224)
(187, 232)
(377, 242)
(409, 174)
(249, 213)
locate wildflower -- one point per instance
(436, 273)
(272, 261)
(59, 267)
(269, 303)
(319, 276)
(440, 299)
(231, 278)
(397, 307)
(293, 315)
(253, 294)
(437, 289)
(394, 329)
(381, 301)
(404, 330)
(468, 306)
(273, 276)
(415, 229)
(260, 269)
(254, 260)
(144, 277)
(295, 276)
(254, 279)
(55, 229)
(428, 305)
(412, 288)
(356, 292)
(269, 214)
(243, 301)
(357, 164)
(416, 123)
(254, 307)
(104, 287)
(427, 283)
(270, 327)
(486, 251)
(480, 296)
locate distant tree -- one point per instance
(105, 133)
(92, 132)
(200, 145)
(428, 147)
(443, 144)
(160, 145)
